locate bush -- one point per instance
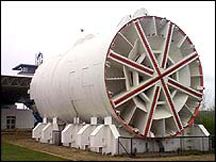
(207, 118)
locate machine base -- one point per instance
(108, 139)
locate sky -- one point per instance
(52, 27)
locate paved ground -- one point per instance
(24, 139)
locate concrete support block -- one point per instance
(69, 135)
(55, 124)
(93, 121)
(83, 136)
(76, 120)
(46, 134)
(104, 139)
(36, 132)
(108, 120)
(45, 120)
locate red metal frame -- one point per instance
(131, 63)
(160, 75)
(136, 90)
(167, 44)
(180, 64)
(153, 104)
(147, 47)
(184, 88)
(171, 105)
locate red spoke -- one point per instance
(150, 114)
(135, 91)
(127, 62)
(136, 86)
(184, 88)
(180, 64)
(147, 46)
(167, 44)
(171, 105)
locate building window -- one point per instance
(10, 122)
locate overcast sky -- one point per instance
(53, 27)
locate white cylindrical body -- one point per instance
(73, 84)
(146, 74)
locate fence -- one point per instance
(133, 146)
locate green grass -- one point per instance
(10, 152)
(207, 118)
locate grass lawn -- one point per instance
(21, 147)
(10, 152)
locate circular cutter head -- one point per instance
(153, 77)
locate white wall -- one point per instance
(24, 118)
